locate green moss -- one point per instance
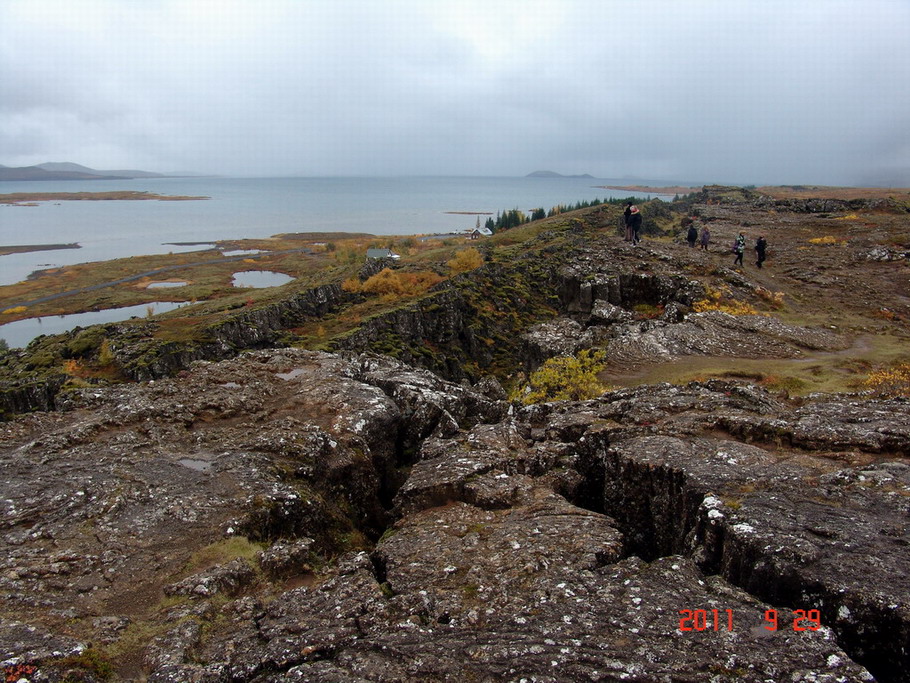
(88, 665)
(223, 551)
(387, 534)
(85, 343)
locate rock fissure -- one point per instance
(563, 532)
(662, 513)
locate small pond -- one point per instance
(258, 279)
(21, 332)
(166, 284)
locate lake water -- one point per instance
(260, 279)
(259, 207)
(21, 332)
(241, 208)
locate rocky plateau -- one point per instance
(283, 514)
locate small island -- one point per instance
(554, 174)
(31, 198)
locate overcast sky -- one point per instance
(735, 91)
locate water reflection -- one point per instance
(21, 332)
(259, 279)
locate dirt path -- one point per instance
(864, 350)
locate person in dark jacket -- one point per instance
(635, 219)
(760, 247)
(627, 221)
(705, 237)
(692, 235)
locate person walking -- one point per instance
(739, 248)
(627, 221)
(635, 219)
(692, 235)
(761, 246)
(705, 237)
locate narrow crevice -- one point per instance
(660, 513)
(393, 471)
(654, 508)
(380, 571)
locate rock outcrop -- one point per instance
(291, 515)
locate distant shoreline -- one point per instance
(30, 198)
(675, 189)
(23, 248)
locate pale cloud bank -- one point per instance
(763, 91)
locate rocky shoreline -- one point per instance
(31, 198)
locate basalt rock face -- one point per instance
(147, 359)
(140, 356)
(195, 529)
(586, 283)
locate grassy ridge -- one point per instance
(471, 322)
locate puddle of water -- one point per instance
(288, 376)
(193, 464)
(259, 279)
(21, 332)
(164, 285)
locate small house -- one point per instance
(477, 233)
(381, 253)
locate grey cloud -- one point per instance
(738, 91)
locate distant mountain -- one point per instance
(37, 173)
(554, 174)
(68, 167)
(69, 171)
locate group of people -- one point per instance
(739, 248)
(632, 222)
(703, 238)
(739, 244)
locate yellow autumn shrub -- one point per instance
(397, 284)
(827, 239)
(465, 260)
(717, 300)
(566, 378)
(352, 284)
(891, 381)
